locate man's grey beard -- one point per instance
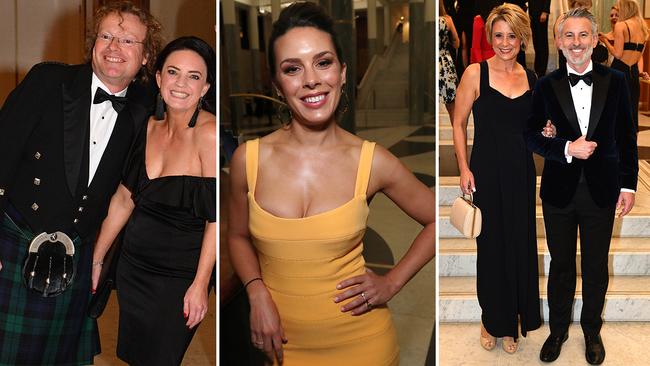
(584, 59)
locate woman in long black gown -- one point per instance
(501, 175)
(630, 35)
(168, 196)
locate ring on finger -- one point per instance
(363, 296)
(369, 304)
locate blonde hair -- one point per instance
(516, 19)
(629, 9)
(580, 3)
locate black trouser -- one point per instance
(595, 225)
(540, 43)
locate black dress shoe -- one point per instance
(594, 349)
(552, 347)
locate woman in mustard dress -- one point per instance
(298, 209)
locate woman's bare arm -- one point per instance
(119, 211)
(466, 94)
(397, 182)
(195, 302)
(266, 329)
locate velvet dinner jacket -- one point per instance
(613, 165)
(44, 139)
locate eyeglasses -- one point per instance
(128, 42)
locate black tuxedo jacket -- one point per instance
(44, 137)
(537, 7)
(613, 165)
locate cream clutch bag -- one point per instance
(466, 217)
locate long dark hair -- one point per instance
(206, 52)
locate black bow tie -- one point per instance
(117, 102)
(573, 78)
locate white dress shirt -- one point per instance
(581, 94)
(102, 122)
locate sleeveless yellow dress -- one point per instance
(302, 260)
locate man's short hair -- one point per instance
(578, 13)
(152, 42)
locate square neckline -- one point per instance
(355, 196)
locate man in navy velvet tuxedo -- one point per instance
(590, 170)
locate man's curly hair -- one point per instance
(152, 43)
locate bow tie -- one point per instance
(117, 102)
(573, 78)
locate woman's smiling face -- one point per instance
(309, 74)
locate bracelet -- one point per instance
(254, 279)
(98, 263)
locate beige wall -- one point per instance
(32, 31)
(186, 18)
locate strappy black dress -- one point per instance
(504, 174)
(160, 255)
(631, 75)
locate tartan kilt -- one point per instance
(36, 330)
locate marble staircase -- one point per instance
(627, 303)
(387, 99)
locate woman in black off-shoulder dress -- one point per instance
(167, 200)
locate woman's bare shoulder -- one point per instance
(205, 130)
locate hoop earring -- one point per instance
(196, 114)
(283, 112)
(160, 108)
(346, 103)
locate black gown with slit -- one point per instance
(504, 174)
(160, 255)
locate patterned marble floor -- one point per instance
(625, 344)
(389, 234)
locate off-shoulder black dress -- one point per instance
(160, 255)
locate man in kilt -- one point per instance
(65, 132)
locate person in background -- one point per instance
(613, 18)
(630, 35)
(65, 132)
(481, 49)
(539, 11)
(465, 13)
(447, 78)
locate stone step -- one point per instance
(389, 94)
(446, 132)
(627, 257)
(387, 117)
(449, 166)
(626, 343)
(448, 190)
(392, 75)
(447, 157)
(634, 224)
(627, 299)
